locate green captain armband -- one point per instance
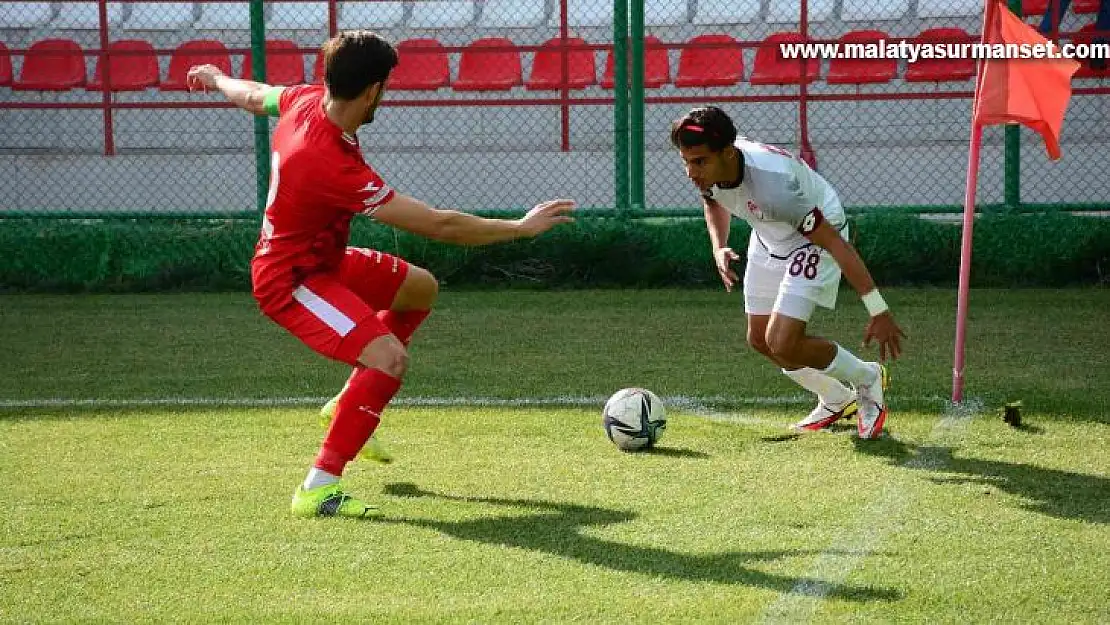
(270, 101)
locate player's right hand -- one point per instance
(882, 329)
(724, 257)
(203, 77)
(546, 216)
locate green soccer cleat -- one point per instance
(330, 500)
(374, 449)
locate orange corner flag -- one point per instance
(1029, 91)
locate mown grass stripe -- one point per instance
(833, 566)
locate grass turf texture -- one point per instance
(529, 514)
(1042, 346)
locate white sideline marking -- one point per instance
(693, 404)
(698, 405)
(161, 401)
(878, 520)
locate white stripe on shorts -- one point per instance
(324, 311)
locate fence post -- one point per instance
(261, 123)
(104, 59)
(620, 105)
(636, 104)
(1012, 159)
(805, 150)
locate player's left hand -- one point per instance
(546, 216)
(883, 329)
(203, 77)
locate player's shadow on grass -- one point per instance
(557, 529)
(1053, 492)
(674, 452)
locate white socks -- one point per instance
(846, 367)
(829, 390)
(317, 478)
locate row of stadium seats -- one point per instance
(491, 64)
(484, 14)
(488, 64)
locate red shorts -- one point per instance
(333, 313)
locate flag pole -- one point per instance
(965, 262)
(1039, 103)
(962, 294)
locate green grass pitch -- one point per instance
(493, 512)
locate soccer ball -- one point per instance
(634, 418)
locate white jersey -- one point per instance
(781, 198)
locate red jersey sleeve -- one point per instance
(290, 95)
(357, 188)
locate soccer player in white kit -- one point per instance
(797, 250)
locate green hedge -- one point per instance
(137, 255)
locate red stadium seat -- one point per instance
(710, 61)
(422, 65)
(133, 66)
(861, 71)
(547, 66)
(657, 65)
(318, 69)
(52, 65)
(284, 63)
(1086, 35)
(771, 69)
(489, 70)
(5, 66)
(941, 70)
(1033, 7)
(195, 52)
(1040, 7)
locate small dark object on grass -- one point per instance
(1011, 413)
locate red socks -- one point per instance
(364, 398)
(356, 417)
(403, 323)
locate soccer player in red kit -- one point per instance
(358, 306)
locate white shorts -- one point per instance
(793, 286)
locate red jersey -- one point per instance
(318, 182)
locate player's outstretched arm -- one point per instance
(718, 221)
(881, 327)
(461, 228)
(246, 94)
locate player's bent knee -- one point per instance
(783, 344)
(429, 286)
(419, 290)
(758, 341)
(387, 354)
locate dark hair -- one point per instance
(354, 60)
(705, 125)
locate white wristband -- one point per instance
(875, 303)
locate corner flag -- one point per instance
(1033, 92)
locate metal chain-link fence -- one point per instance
(885, 132)
(481, 113)
(502, 103)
